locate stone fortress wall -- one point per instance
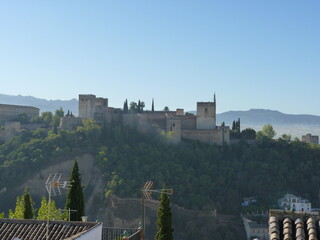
(69, 122)
(9, 115)
(201, 127)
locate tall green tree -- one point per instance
(59, 112)
(164, 219)
(28, 205)
(53, 214)
(125, 106)
(142, 105)
(133, 106)
(75, 195)
(248, 133)
(267, 132)
(152, 107)
(24, 207)
(18, 211)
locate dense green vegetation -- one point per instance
(32, 150)
(53, 213)
(203, 176)
(24, 209)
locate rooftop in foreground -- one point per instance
(36, 229)
(289, 225)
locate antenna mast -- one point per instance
(146, 194)
(53, 186)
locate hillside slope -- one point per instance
(125, 212)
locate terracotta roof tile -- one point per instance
(288, 226)
(36, 229)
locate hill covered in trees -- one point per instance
(204, 177)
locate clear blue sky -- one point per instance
(253, 54)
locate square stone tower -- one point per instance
(87, 104)
(206, 115)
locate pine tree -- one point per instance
(152, 107)
(164, 219)
(75, 195)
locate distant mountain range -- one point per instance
(43, 104)
(262, 116)
(295, 124)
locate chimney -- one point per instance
(84, 218)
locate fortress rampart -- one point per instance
(201, 127)
(12, 112)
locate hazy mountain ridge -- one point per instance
(43, 104)
(294, 124)
(263, 116)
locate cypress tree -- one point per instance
(75, 195)
(152, 107)
(27, 204)
(139, 106)
(233, 125)
(164, 219)
(125, 106)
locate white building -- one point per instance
(291, 202)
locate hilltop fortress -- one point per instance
(177, 124)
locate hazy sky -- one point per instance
(253, 54)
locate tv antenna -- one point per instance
(146, 192)
(53, 186)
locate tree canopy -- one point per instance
(266, 132)
(52, 214)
